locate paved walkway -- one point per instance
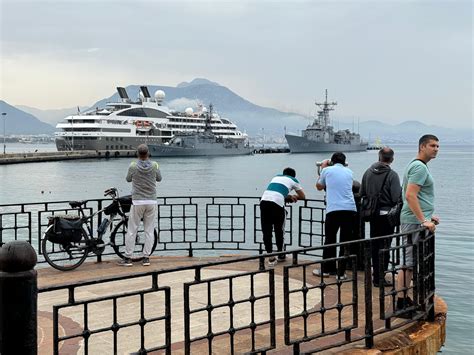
(101, 315)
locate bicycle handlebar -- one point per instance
(113, 192)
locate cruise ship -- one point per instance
(126, 124)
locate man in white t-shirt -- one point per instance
(272, 209)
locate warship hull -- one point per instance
(200, 146)
(166, 151)
(298, 144)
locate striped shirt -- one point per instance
(279, 188)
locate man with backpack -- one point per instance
(380, 191)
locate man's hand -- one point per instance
(325, 163)
(291, 198)
(435, 220)
(429, 225)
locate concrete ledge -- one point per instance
(18, 158)
(416, 338)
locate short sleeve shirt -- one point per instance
(418, 173)
(279, 188)
(338, 182)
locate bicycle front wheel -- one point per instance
(67, 256)
(117, 240)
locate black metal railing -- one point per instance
(233, 305)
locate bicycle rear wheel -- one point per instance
(117, 240)
(65, 257)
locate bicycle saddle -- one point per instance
(76, 204)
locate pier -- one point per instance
(38, 157)
(210, 290)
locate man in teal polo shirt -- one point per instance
(418, 208)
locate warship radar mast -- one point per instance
(323, 113)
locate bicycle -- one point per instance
(66, 245)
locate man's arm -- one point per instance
(158, 172)
(414, 204)
(321, 183)
(130, 173)
(320, 186)
(395, 189)
(300, 194)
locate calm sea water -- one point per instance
(249, 175)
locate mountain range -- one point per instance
(20, 122)
(251, 118)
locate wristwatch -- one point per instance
(426, 220)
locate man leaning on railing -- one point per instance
(418, 208)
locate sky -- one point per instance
(390, 61)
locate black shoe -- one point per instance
(402, 305)
(125, 262)
(282, 257)
(385, 283)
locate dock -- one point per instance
(40, 157)
(271, 150)
(416, 338)
(210, 289)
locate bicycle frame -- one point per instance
(87, 220)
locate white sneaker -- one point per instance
(341, 278)
(272, 261)
(317, 272)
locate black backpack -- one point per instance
(369, 205)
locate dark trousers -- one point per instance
(343, 220)
(272, 217)
(379, 226)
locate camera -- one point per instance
(329, 162)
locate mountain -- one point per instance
(50, 116)
(406, 132)
(260, 121)
(197, 81)
(249, 117)
(20, 122)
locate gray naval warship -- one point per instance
(201, 143)
(320, 136)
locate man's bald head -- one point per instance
(386, 155)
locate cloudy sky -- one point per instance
(385, 60)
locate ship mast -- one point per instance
(208, 120)
(323, 113)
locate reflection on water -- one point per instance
(249, 175)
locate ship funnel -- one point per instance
(145, 93)
(123, 94)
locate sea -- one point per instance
(249, 175)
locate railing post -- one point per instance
(369, 325)
(431, 313)
(18, 299)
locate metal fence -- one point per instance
(233, 305)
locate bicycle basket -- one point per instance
(111, 209)
(126, 203)
(65, 230)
